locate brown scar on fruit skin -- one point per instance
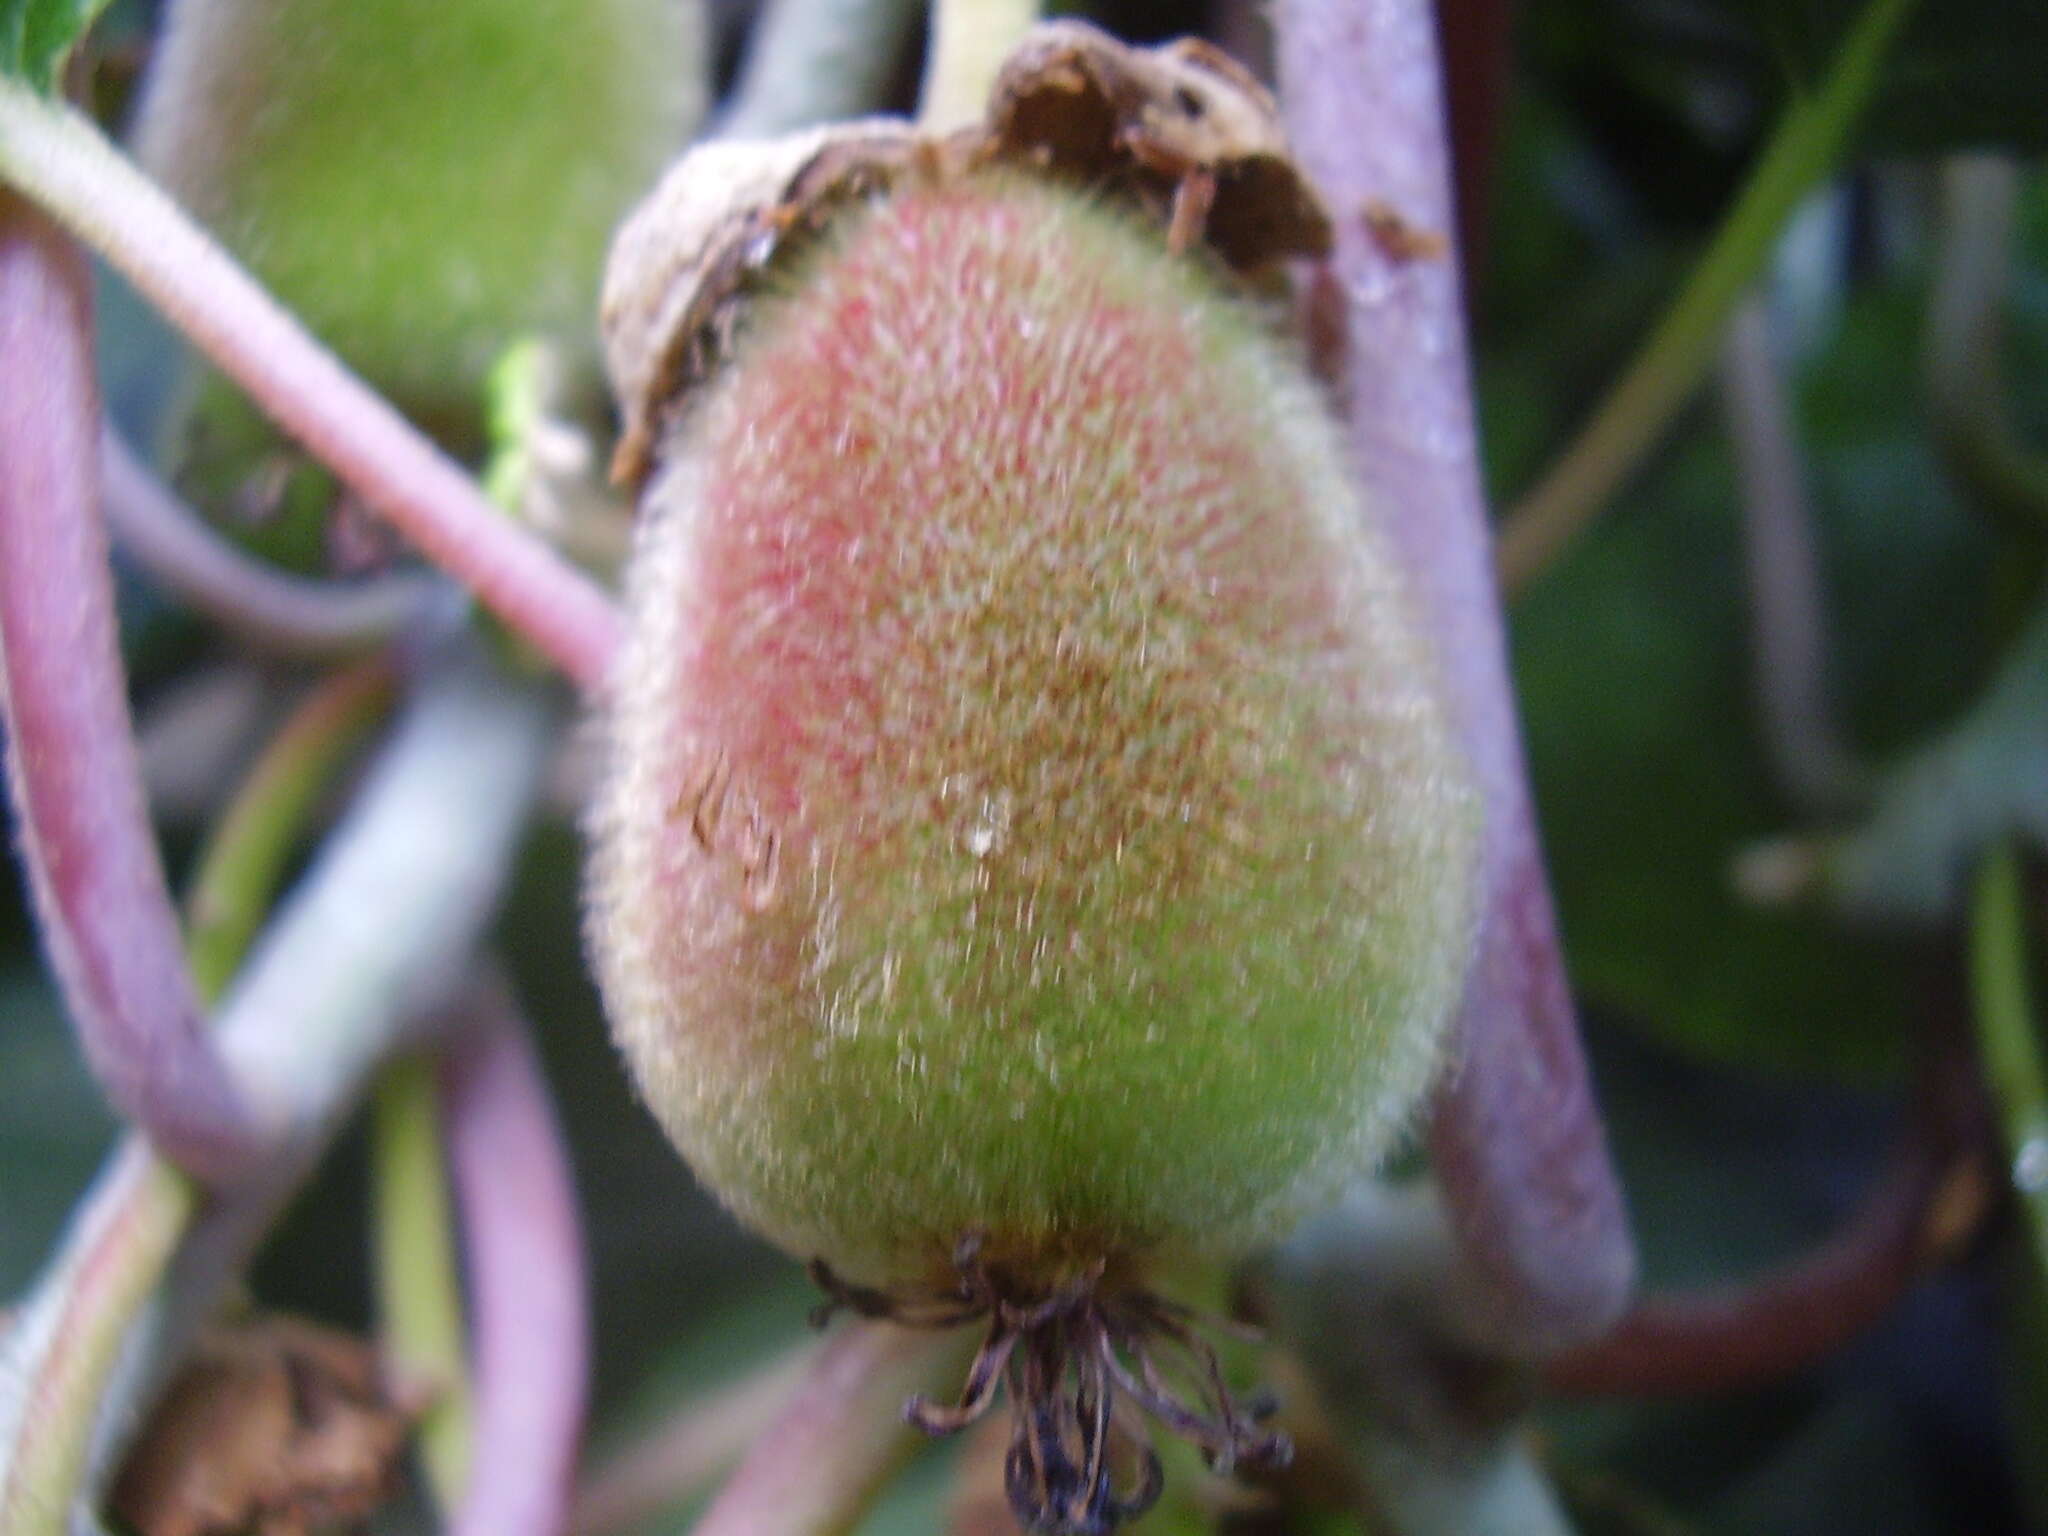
(1182, 132)
(1399, 240)
(1070, 1358)
(275, 1427)
(726, 822)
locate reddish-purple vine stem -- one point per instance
(529, 1301)
(59, 158)
(1517, 1139)
(1918, 1214)
(268, 608)
(91, 857)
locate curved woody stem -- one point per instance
(1921, 1212)
(284, 614)
(530, 1307)
(86, 840)
(1517, 1139)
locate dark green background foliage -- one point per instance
(1751, 1059)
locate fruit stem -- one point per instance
(86, 841)
(283, 614)
(817, 1469)
(56, 156)
(245, 856)
(1628, 422)
(815, 61)
(1516, 1136)
(529, 1292)
(419, 1297)
(1787, 610)
(1965, 316)
(970, 39)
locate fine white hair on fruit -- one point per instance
(1029, 808)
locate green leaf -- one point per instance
(37, 35)
(1633, 662)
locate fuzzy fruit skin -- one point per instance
(1028, 808)
(422, 183)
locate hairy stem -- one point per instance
(105, 912)
(419, 1296)
(284, 614)
(969, 40)
(682, 1456)
(815, 61)
(245, 857)
(1516, 1138)
(1965, 318)
(1787, 611)
(1627, 424)
(57, 157)
(816, 1470)
(530, 1304)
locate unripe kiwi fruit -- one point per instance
(422, 183)
(1029, 811)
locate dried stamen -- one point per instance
(1067, 1360)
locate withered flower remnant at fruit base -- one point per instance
(1032, 850)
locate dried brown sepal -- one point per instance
(681, 266)
(1156, 124)
(1182, 131)
(275, 1427)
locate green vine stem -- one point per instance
(1626, 425)
(56, 156)
(419, 1298)
(1965, 318)
(239, 870)
(2007, 1035)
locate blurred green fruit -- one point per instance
(422, 183)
